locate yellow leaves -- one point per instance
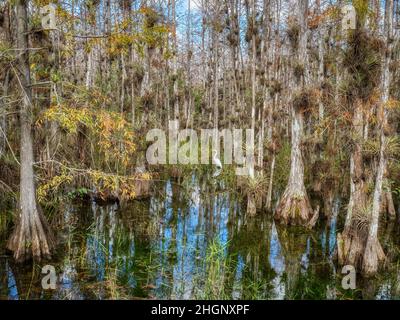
(121, 38)
(125, 187)
(53, 185)
(119, 43)
(392, 104)
(105, 184)
(125, 23)
(42, 3)
(362, 8)
(129, 194)
(91, 43)
(109, 138)
(96, 98)
(146, 176)
(146, 10)
(116, 136)
(112, 135)
(68, 118)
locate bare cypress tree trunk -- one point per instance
(89, 79)
(215, 48)
(189, 66)
(123, 84)
(253, 67)
(294, 207)
(271, 181)
(321, 62)
(273, 105)
(3, 100)
(3, 122)
(387, 206)
(132, 62)
(53, 138)
(2, 133)
(233, 45)
(175, 62)
(31, 237)
(374, 254)
(108, 25)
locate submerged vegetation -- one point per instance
(172, 247)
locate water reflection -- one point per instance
(190, 240)
(11, 284)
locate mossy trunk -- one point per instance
(359, 245)
(351, 244)
(294, 207)
(374, 254)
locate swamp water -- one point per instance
(193, 242)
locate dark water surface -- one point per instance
(193, 242)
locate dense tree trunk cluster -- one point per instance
(323, 103)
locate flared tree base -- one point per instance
(350, 248)
(373, 257)
(354, 249)
(31, 238)
(295, 209)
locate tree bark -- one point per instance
(3, 100)
(352, 242)
(374, 254)
(3, 108)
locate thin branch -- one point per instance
(9, 146)
(8, 187)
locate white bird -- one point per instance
(216, 161)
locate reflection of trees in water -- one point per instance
(195, 223)
(159, 248)
(388, 284)
(21, 282)
(95, 243)
(309, 269)
(189, 227)
(329, 229)
(250, 246)
(294, 246)
(8, 285)
(316, 279)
